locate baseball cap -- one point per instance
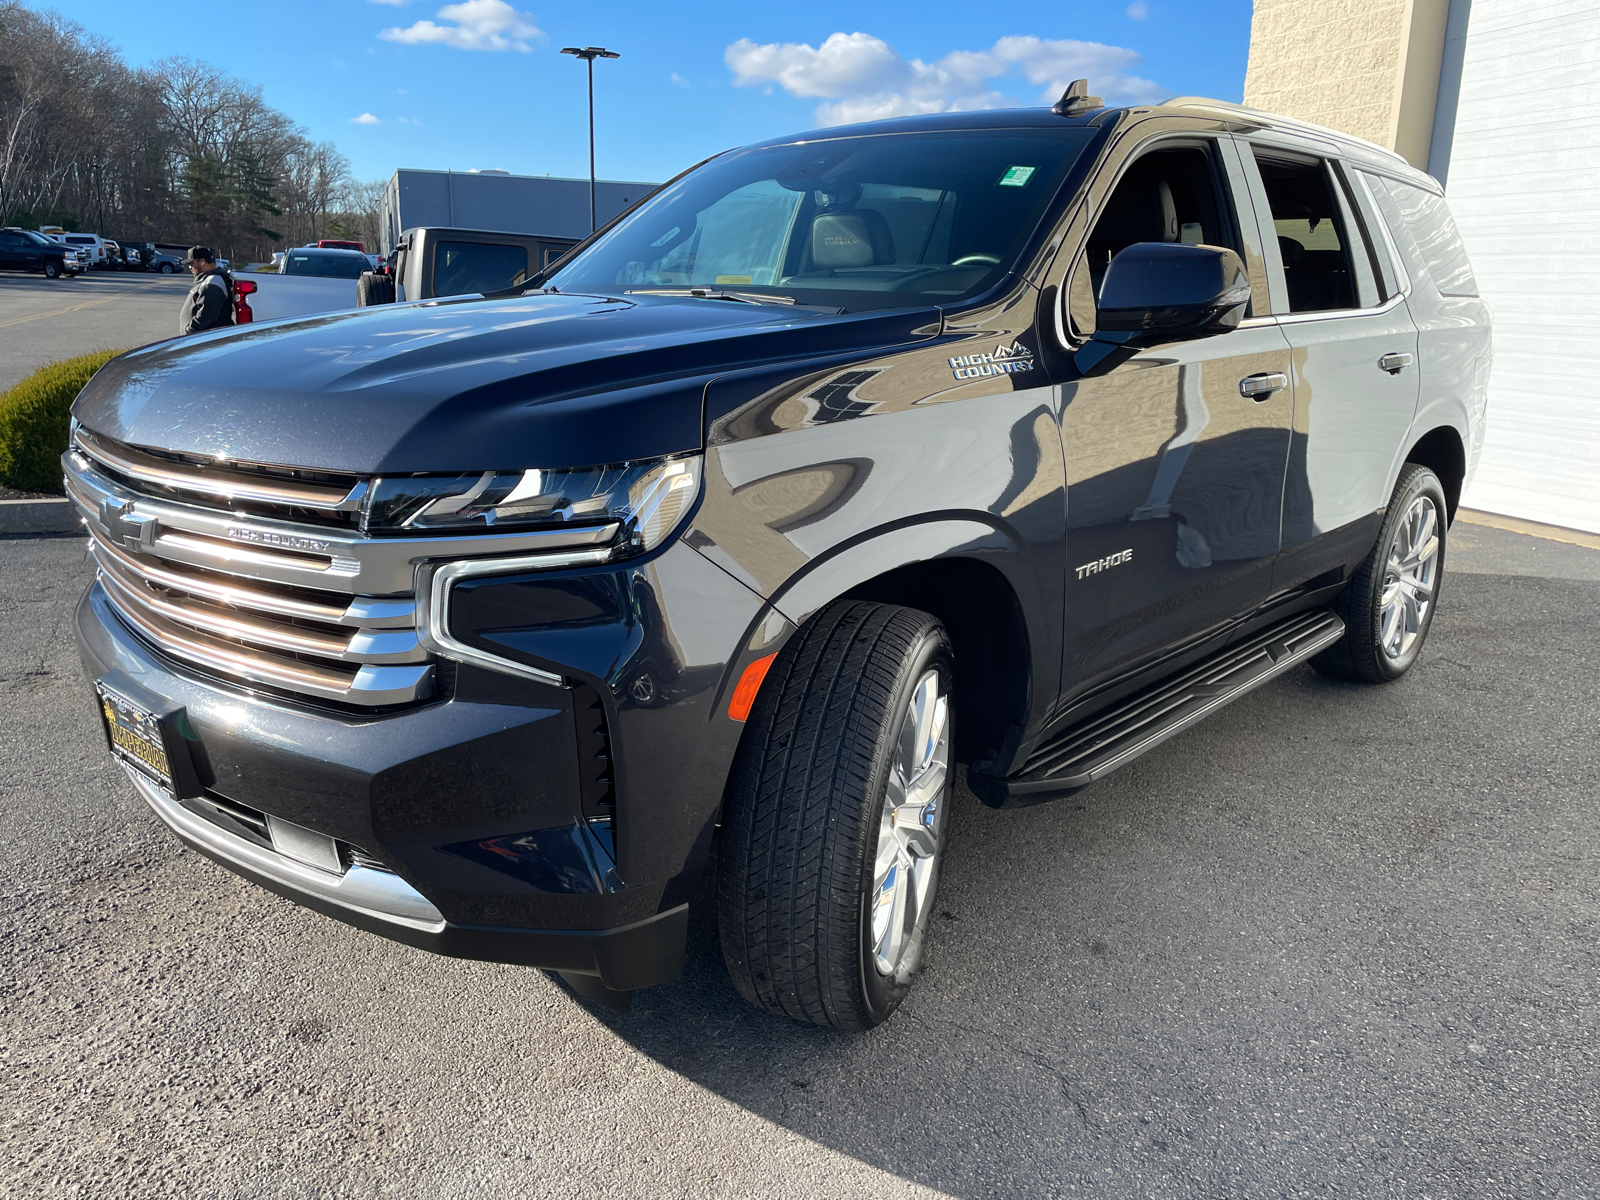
(205, 252)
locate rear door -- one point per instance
(1174, 476)
(11, 251)
(1335, 296)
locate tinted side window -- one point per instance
(1312, 240)
(1165, 196)
(1385, 254)
(329, 266)
(461, 268)
(1425, 217)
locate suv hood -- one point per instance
(542, 380)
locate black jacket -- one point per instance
(209, 303)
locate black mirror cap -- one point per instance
(1169, 291)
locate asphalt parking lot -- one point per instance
(1336, 941)
(45, 320)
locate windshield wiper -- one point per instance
(714, 294)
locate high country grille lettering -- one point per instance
(1002, 360)
(1106, 563)
(282, 541)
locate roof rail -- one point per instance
(1274, 120)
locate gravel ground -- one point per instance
(1336, 941)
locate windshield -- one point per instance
(333, 266)
(883, 221)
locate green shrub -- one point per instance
(33, 421)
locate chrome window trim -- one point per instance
(1331, 314)
(436, 582)
(360, 889)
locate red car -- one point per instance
(336, 244)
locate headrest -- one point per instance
(1169, 212)
(851, 239)
(1291, 251)
(1143, 213)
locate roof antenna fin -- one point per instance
(1076, 101)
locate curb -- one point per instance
(1552, 533)
(54, 515)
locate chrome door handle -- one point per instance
(1395, 363)
(1259, 387)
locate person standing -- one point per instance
(209, 304)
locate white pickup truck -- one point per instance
(427, 263)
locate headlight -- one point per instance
(647, 498)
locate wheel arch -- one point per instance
(1443, 452)
(983, 587)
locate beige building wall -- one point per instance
(1365, 67)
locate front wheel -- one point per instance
(834, 823)
(166, 268)
(52, 270)
(1389, 603)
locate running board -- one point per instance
(1111, 738)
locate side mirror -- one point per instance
(1169, 291)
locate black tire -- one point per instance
(52, 269)
(374, 288)
(1361, 653)
(801, 820)
(166, 268)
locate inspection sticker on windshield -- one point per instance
(1016, 176)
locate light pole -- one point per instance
(589, 54)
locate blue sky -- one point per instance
(481, 84)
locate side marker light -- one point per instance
(744, 696)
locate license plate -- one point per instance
(136, 736)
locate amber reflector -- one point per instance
(749, 684)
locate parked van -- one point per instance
(1022, 440)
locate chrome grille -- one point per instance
(325, 613)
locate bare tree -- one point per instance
(179, 152)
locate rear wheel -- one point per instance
(834, 823)
(1389, 603)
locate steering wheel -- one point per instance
(972, 260)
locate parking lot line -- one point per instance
(56, 312)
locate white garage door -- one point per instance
(1524, 185)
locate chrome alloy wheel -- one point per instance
(908, 827)
(1410, 579)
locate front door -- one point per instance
(1174, 473)
(11, 251)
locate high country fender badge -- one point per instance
(1106, 563)
(1003, 360)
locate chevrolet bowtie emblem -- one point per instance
(126, 528)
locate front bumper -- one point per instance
(631, 956)
(473, 802)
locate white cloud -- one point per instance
(391, 3)
(478, 25)
(867, 78)
(407, 121)
(679, 80)
(1138, 11)
(365, 119)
